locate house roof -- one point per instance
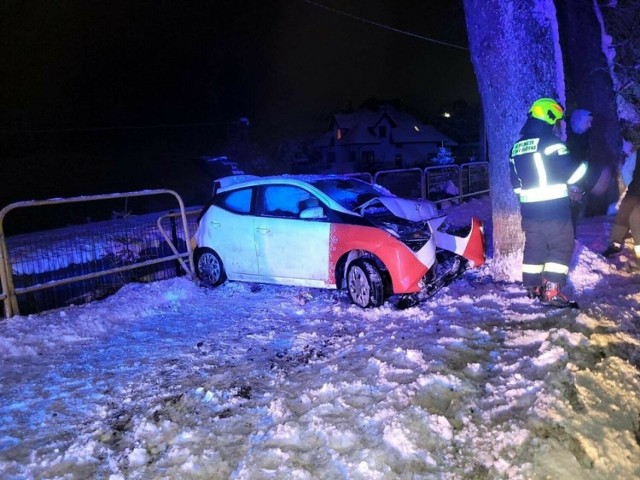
(360, 127)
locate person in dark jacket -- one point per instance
(541, 172)
(578, 134)
(578, 143)
(627, 217)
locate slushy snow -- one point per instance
(171, 380)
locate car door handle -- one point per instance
(263, 229)
(214, 224)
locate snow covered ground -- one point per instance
(247, 381)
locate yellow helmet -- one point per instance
(547, 110)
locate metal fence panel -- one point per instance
(74, 264)
(364, 176)
(438, 183)
(474, 179)
(404, 182)
(442, 183)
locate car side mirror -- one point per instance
(313, 212)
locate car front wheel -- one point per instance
(364, 281)
(209, 268)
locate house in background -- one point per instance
(381, 137)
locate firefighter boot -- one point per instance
(534, 292)
(553, 297)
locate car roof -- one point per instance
(237, 181)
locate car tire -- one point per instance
(364, 282)
(209, 268)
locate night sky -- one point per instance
(111, 96)
(80, 64)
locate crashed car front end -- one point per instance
(417, 224)
(418, 236)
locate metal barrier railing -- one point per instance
(443, 183)
(171, 238)
(366, 176)
(431, 183)
(107, 250)
(404, 182)
(474, 179)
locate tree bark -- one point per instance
(590, 87)
(516, 56)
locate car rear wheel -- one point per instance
(209, 268)
(364, 281)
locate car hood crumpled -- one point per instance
(415, 210)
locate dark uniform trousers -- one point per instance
(548, 245)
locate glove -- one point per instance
(575, 193)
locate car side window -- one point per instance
(237, 201)
(286, 201)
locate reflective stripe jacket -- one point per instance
(541, 170)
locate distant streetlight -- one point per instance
(446, 115)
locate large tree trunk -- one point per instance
(589, 86)
(516, 57)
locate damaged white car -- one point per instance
(328, 231)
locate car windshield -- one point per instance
(349, 192)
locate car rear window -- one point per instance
(237, 201)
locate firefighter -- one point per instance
(542, 171)
(628, 214)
